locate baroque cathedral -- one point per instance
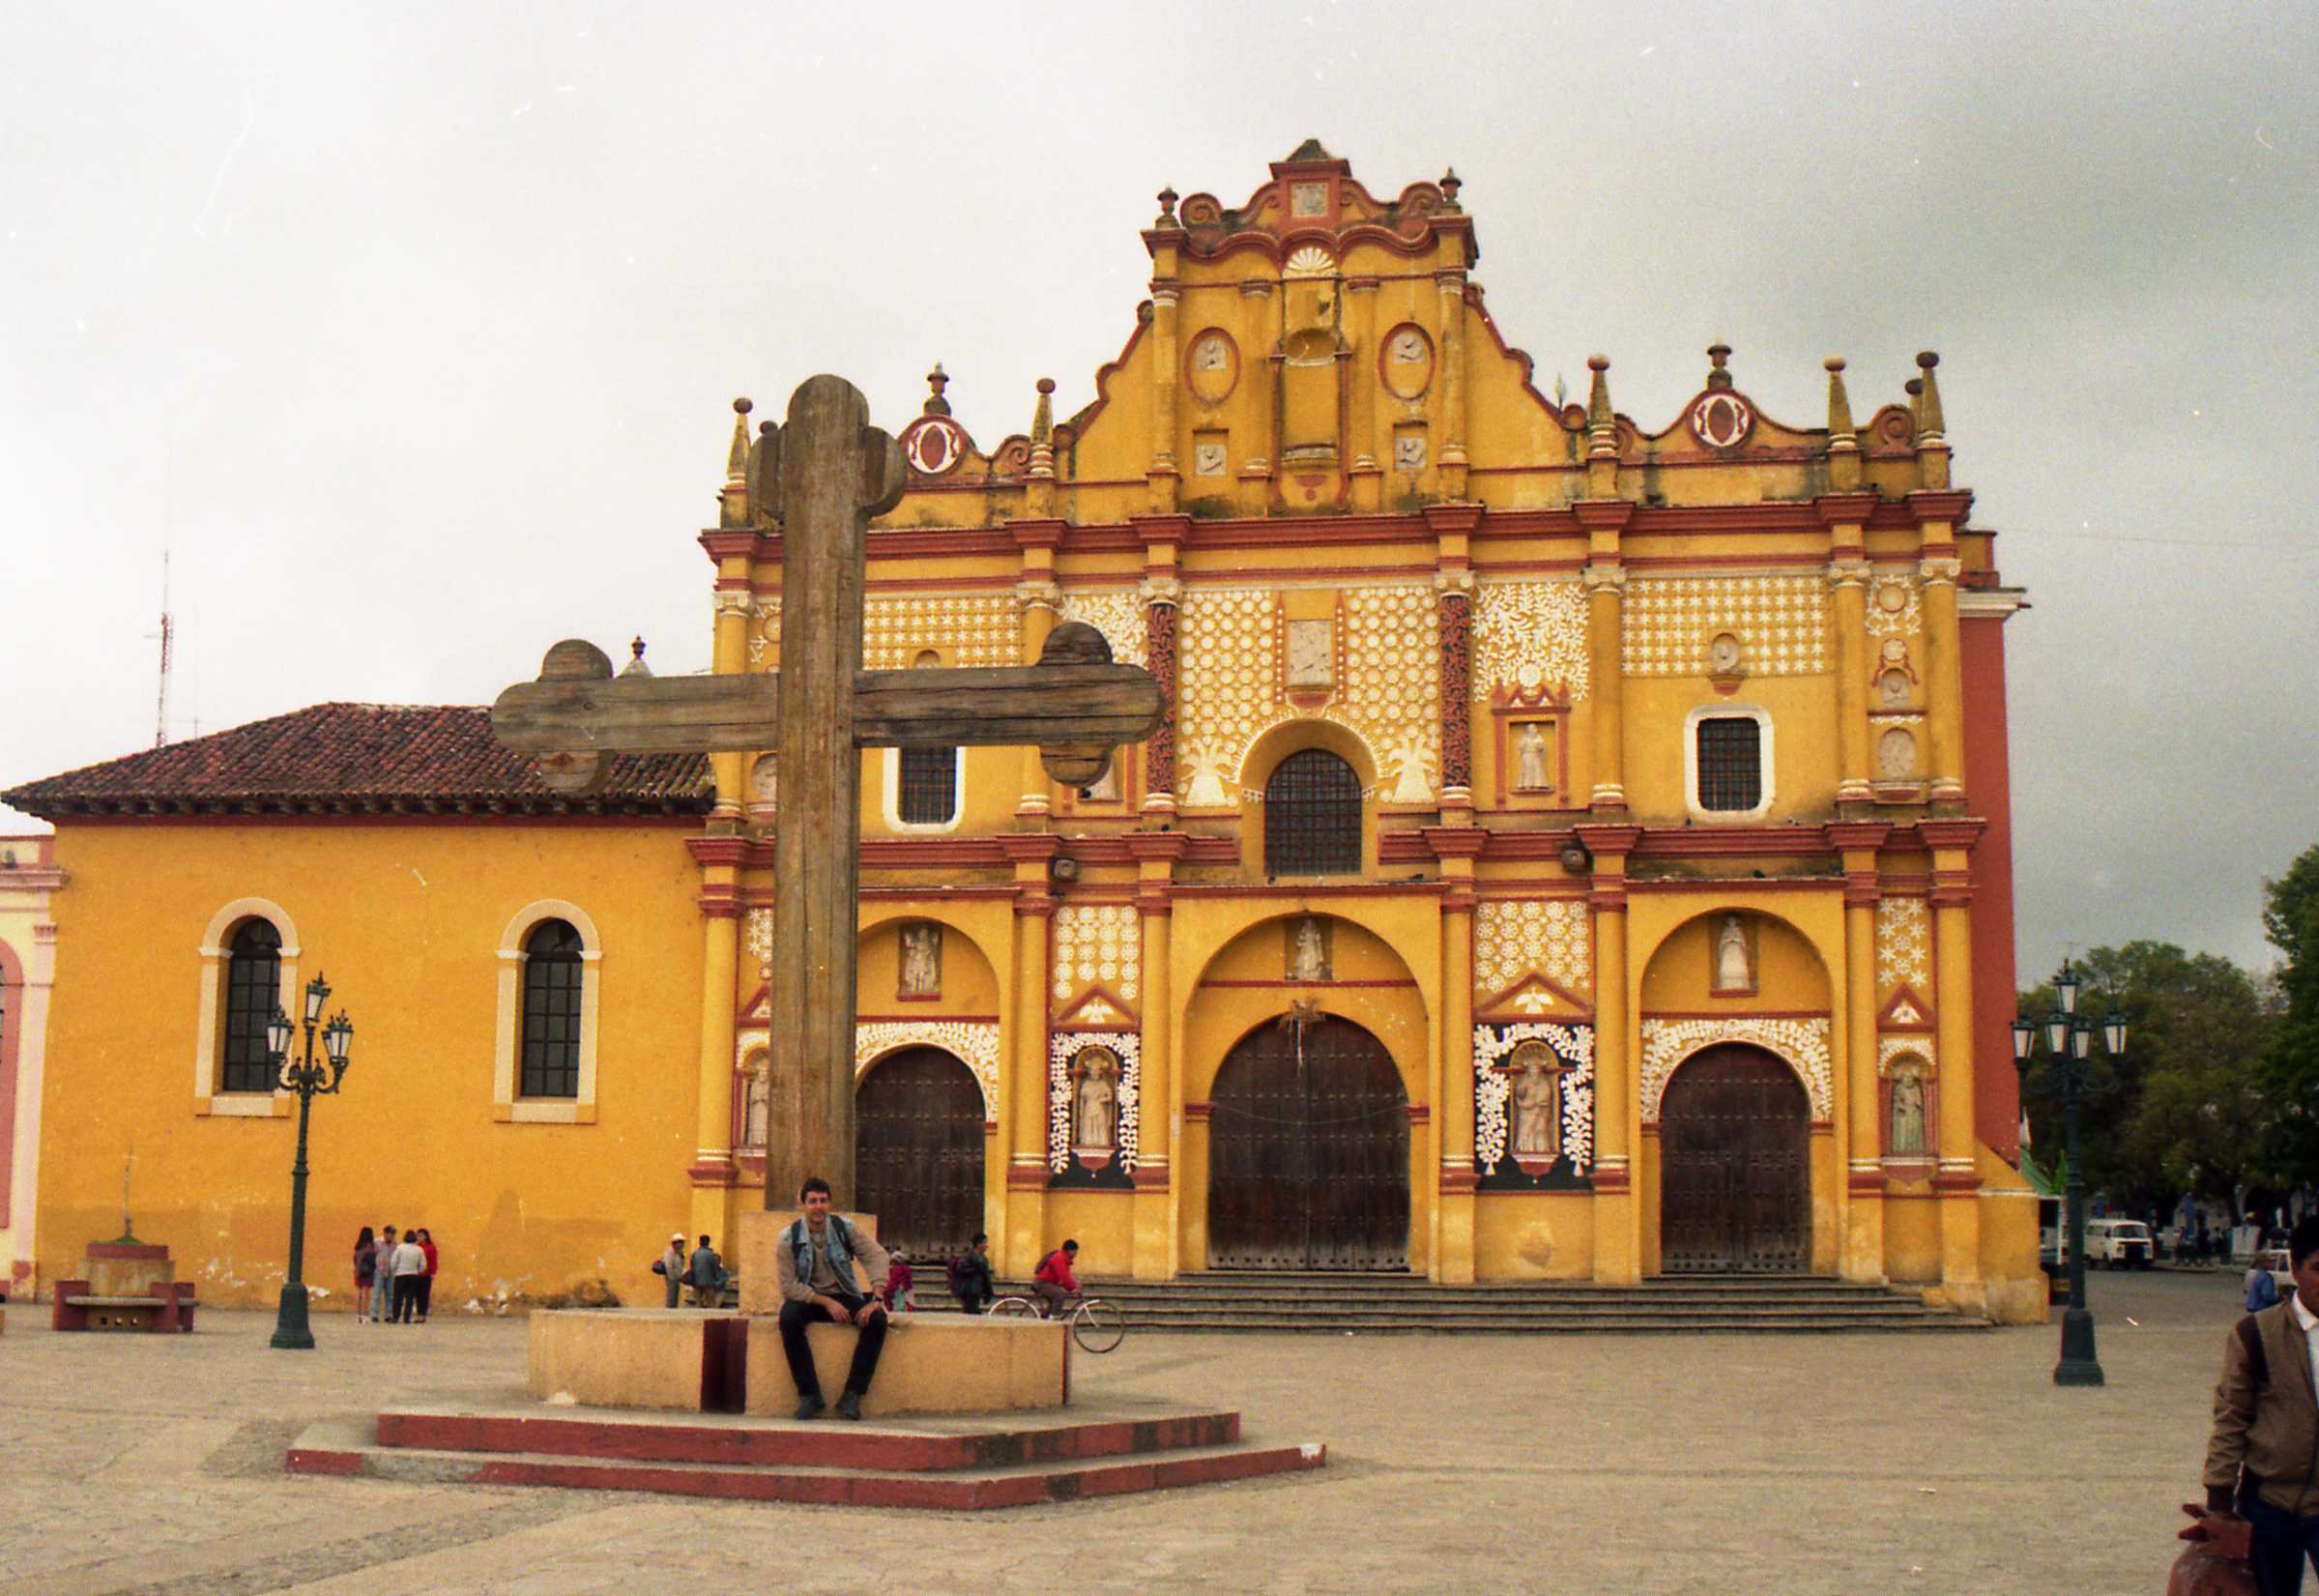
(1575, 848)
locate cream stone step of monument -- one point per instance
(706, 1361)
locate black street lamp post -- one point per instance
(2068, 1038)
(305, 1079)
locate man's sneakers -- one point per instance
(811, 1408)
(849, 1405)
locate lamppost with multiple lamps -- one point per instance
(2068, 1039)
(306, 1078)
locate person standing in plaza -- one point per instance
(426, 1279)
(971, 1279)
(671, 1267)
(2262, 1459)
(706, 1272)
(382, 1277)
(409, 1268)
(366, 1257)
(813, 1267)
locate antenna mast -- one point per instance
(160, 713)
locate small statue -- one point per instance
(1908, 1112)
(921, 961)
(1311, 955)
(1732, 973)
(1096, 1116)
(1533, 761)
(1533, 1098)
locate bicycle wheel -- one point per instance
(1097, 1326)
(1013, 1307)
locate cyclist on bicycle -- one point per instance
(1054, 1282)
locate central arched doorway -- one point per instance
(917, 1152)
(1734, 1177)
(1309, 1152)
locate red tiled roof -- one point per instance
(358, 759)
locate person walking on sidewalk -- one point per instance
(2262, 1459)
(814, 1268)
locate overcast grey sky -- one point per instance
(411, 330)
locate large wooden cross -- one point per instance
(832, 473)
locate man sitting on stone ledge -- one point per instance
(814, 1266)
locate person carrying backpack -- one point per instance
(2262, 1459)
(970, 1276)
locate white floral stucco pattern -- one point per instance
(1550, 936)
(1118, 615)
(1782, 623)
(1574, 1045)
(974, 1042)
(1529, 635)
(1903, 945)
(971, 629)
(1098, 944)
(1802, 1043)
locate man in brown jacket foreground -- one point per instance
(2262, 1461)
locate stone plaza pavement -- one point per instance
(1787, 1465)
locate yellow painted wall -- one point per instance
(404, 920)
(1526, 1236)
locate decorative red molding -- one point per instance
(1604, 838)
(1197, 1113)
(1607, 899)
(1952, 833)
(1604, 514)
(1037, 531)
(1949, 505)
(1419, 1112)
(706, 1173)
(1609, 1179)
(1846, 509)
(1455, 842)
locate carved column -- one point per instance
(729, 655)
(1164, 478)
(1605, 622)
(1361, 330)
(1846, 516)
(1155, 1200)
(1862, 1248)
(712, 1173)
(1456, 690)
(1957, 1179)
(1159, 658)
(1450, 286)
(1259, 445)
(1457, 848)
(1943, 669)
(1023, 1067)
(1039, 600)
(1617, 1092)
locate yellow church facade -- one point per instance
(1571, 851)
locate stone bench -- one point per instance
(697, 1362)
(170, 1306)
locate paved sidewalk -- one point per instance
(1789, 1464)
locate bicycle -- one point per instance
(1097, 1325)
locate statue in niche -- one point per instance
(765, 780)
(1210, 355)
(921, 961)
(1409, 785)
(1535, 1088)
(1908, 1110)
(1893, 687)
(1309, 959)
(1095, 1102)
(1896, 754)
(756, 1105)
(1533, 759)
(1408, 347)
(1732, 973)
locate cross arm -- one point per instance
(1075, 705)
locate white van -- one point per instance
(2118, 1244)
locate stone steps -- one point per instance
(953, 1469)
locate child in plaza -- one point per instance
(899, 1282)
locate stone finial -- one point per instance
(1042, 431)
(1601, 421)
(937, 380)
(1166, 203)
(636, 665)
(1928, 415)
(1843, 440)
(1450, 184)
(733, 501)
(1718, 355)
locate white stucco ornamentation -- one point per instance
(764, 632)
(1780, 622)
(973, 1042)
(1802, 1044)
(1225, 687)
(971, 629)
(1890, 1049)
(1098, 943)
(1903, 945)
(1552, 936)
(1529, 635)
(1391, 690)
(1893, 609)
(1117, 614)
(1574, 1045)
(1067, 1046)
(757, 938)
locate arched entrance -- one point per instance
(1309, 1152)
(917, 1152)
(1734, 1177)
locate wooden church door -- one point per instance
(917, 1152)
(1734, 1182)
(1309, 1153)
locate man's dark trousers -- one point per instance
(2282, 1544)
(795, 1316)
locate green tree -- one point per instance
(2186, 1108)
(2291, 1065)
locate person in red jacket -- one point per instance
(1054, 1282)
(426, 1281)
